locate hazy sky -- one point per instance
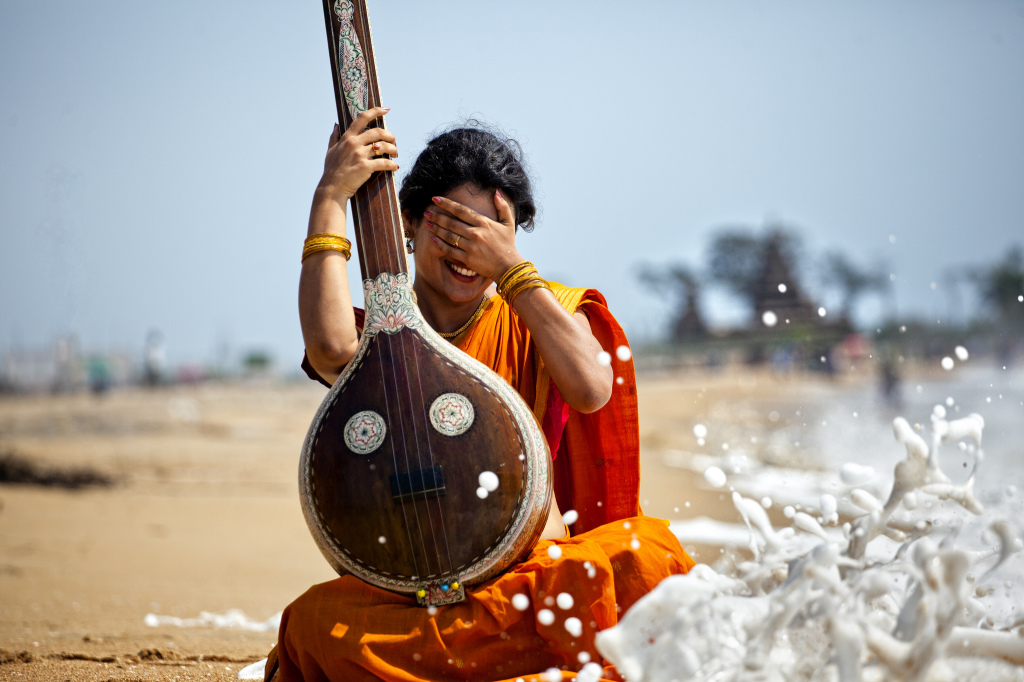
(157, 160)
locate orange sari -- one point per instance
(347, 630)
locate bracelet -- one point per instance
(518, 279)
(325, 241)
(528, 284)
(512, 272)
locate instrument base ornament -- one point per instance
(441, 594)
(452, 414)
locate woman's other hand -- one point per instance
(355, 155)
(485, 246)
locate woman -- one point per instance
(462, 204)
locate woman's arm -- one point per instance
(564, 341)
(325, 303)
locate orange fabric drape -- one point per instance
(348, 630)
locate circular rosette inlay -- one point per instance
(364, 432)
(452, 414)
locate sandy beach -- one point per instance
(204, 516)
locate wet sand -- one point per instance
(205, 517)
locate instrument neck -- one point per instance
(376, 216)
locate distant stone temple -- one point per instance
(778, 292)
(690, 325)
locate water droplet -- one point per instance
(700, 430)
(583, 656)
(574, 626)
(546, 617)
(570, 517)
(620, 381)
(555, 552)
(564, 601)
(623, 353)
(822, 312)
(766, 502)
(382, 539)
(481, 492)
(488, 481)
(788, 511)
(947, 363)
(604, 359)
(961, 353)
(635, 544)
(769, 318)
(782, 288)
(521, 602)
(715, 476)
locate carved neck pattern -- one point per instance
(375, 211)
(390, 305)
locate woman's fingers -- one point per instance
(449, 237)
(363, 120)
(505, 215)
(378, 148)
(382, 165)
(335, 136)
(447, 249)
(375, 135)
(446, 221)
(463, 213)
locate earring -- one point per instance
(409, 245)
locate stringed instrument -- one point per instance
(423, 472)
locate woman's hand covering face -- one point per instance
(486, 246)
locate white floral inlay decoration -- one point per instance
(364, 432)
(451, 414)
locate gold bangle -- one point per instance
(516, 274)
(529, 284)
(511, 272)
(325, 241)
(514, 281)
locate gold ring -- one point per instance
(457, 238)
(376, 146)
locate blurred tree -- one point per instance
(1002, 285)
(685, 283)
(852, 281)
(734, 261)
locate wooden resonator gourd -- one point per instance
(413, 427)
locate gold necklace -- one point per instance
(473, 318)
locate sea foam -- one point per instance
(899, 592)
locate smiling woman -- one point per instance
(462, 205)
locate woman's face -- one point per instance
(434, 268)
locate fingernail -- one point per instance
(387, 108)
(428, 223)
(436, 200)
(427, 213)
(335, 127)
(434, 239)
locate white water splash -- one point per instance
(891, 596)
(232, 618)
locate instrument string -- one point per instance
(383, 181)
(372, 250)
(392, 203)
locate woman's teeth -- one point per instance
(465, 272)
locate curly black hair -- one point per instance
(475, 156)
